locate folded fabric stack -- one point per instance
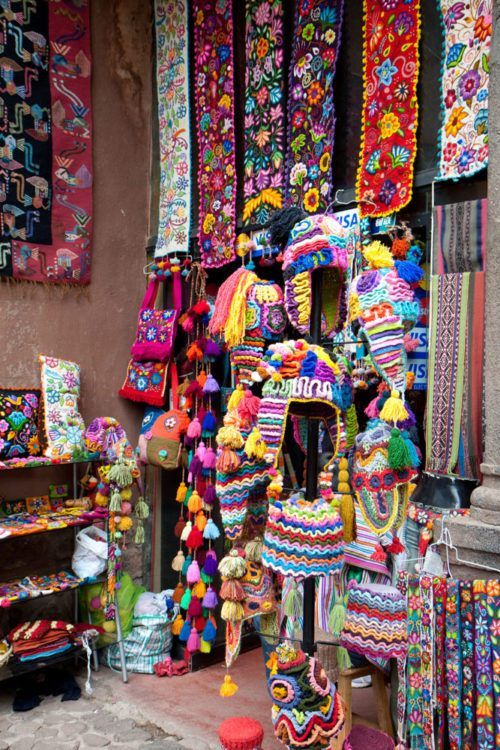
(41, 639)
(29, 588)
(376, 620)
(303, 538)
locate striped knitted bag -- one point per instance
(303, 538)
(242, 493)
(376, 620)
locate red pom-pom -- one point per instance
(201, 308)
(195, 539)
(395, 547)
(379, 555)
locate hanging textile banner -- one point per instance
(311, 115)
(483, 670)
(391, 35)
(172, 76)
(214, 96)
(463, 143)
(264, 116)
(460, 237)
(449, 295)
(46, 180)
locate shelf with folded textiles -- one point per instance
(29, 588)
(27, 524)
(40, 462)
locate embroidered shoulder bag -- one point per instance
(156, 329)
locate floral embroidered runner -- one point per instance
(311, 114)
(467, 31)
(46, 215)
(214, 96)
(264, 116)
(172, 68)
(390, 73)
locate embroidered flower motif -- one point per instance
(454, 14)
(404, 23)
(311, 200)
(469, 84)
(315, 93)
(373, 163)
(456, 121)
(385, 72)
(401, 92)
(325, 161)
(483, 28)
(388, 125)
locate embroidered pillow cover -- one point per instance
(19, 423)
(64, 425)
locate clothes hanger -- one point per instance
(446, 540)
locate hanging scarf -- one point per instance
(463, 142)
(172, 67)
(214, 96)
(484, 670)
(264, 116)
(467, 661)
(453, 666)
(311, 115)
(402, 675)
(440, 614)
(390, 74)
(493, 609)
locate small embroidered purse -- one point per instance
(156, 329)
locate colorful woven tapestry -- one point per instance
(460, 237)
(453, 664)
(214, 97)
(311, 116)
(388, 142)
(45, 222)
(20, 423)
(449, 294)
(172, 69)
(467, 627)
(264, 116)
(463, 142)
(484, 670)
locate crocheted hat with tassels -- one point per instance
(307, 711)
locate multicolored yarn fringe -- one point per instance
(463, 143)
(303, 538)
(172, 76)
(299, 372)
(319, 242)
(214, 98)
(264, 115)
(307, 710)
(382, 302)
(311, 115)
(391, 35)
(375, 622)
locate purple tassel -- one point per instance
(210, 459)
(193, 573)
(193, 643)
(211, 385)
(195, 466)
(212, 350)
(210, 495)
(210, 566)
(210, 599)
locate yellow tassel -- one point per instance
(232, 611)
(234, 329)
(230, 437)
(199, 590)
(343, 487)
(201, 521)
(343, 464)
(255, 447)
(205, 646)
(394, 410)
(228, 687)
(235, 397)
(347, 513)
(272, 663)
(194, 502)
(378, 255)
(181, 492)
(343, 475)
(177, 625)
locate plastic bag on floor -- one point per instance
(149, 642)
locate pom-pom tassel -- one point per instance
(186, 531)
(253, 550)
(177, 625)
(372, 411)
(194, 503)
(178, 593)
(186, 599)
(379, 555)
(348, 516)
(395, 547)
(210, 565)
(232, 590)
(233, 565)
(139, 533)
(181, 492)
(209, 424)
(248, 407)
(120, 474)
(228, 687)
(211, 385)
(228, 461)
(201, 452)
(185, 632)
(210, 495)
(115, 504)
(201, 522)
(394, 410)
(193, 642)
(210, 631)
(412, 450)
(187, 563)
(179, 527)
(211, 531)
(195, 467)
(178, 561)
(236, 396)
(232, 611)
(398, 454)
(255, 447)
(193, 572)
(210, 459)
(194, 429)
(210, 601)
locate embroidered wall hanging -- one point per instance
(483, 669)
(64, 427)
(463, 142)
(46, 184)
(390, 73)
(20, 423)
(214, 96)
(264, 116)
(311, 115)
(172, 76)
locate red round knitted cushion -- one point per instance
(361, 737)
(241, 733)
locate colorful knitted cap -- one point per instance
(316, 242)
(307, 711)
(383, 306)
(376, 620)
(299, 372)
(381, 490)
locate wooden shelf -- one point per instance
(39, 462)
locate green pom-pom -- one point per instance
(115, 504)
(120, 473)
(398, 453)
